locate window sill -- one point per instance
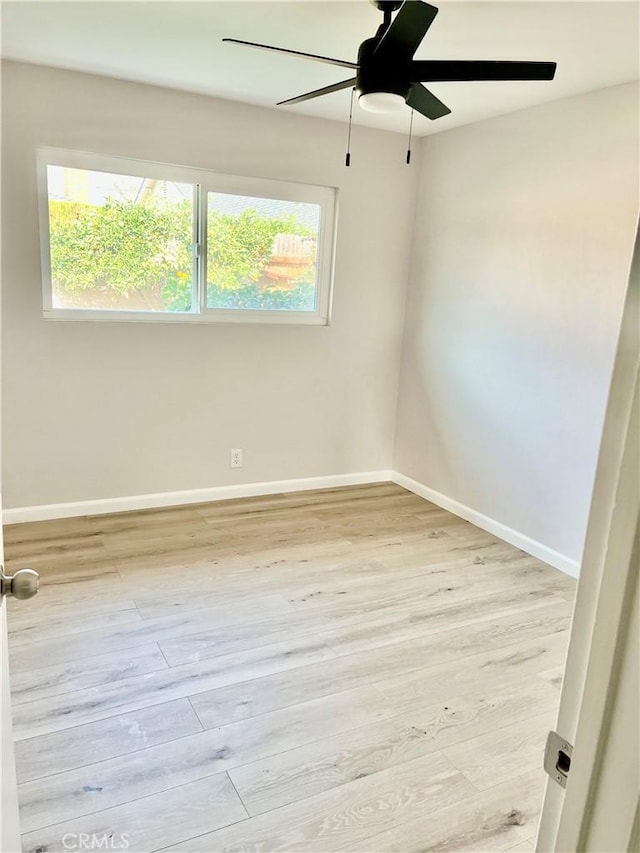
(296, 318)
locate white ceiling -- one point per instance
(178, 44)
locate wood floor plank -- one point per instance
(257, 696)
(69, 568)
(484, 675)
(133, 528)
(443, 579)
(57, 601)
(496, 757)
(287, 569)
(31, 637)
(62, 678)
(339, 819)
(28, 653)
(335, 514)
(223, 580)
(290, 776)
(349, 628)
(26, 621)
(186, 551)
(400, 550)
(554, 676)
(150, 823)
(250, 635)
(367, 528)
(419, 623)
(140, 519)
(83, 589)
(139, 774)
(303, 517)
(79, 746)
(527, 846)
(479, 675)
(54, 530)
(358, 497)
(243, 536)
(85, 546)
(130, 694)
(263, 560)
(489, 821)
(250, 602)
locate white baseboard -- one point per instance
(249, 490)
(46, 512)
(554, 558)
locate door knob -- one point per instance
(24, 584)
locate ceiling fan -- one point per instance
(387, 76)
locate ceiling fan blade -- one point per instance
(327, 59)
(406, 31)
(445, 70)
(423, 101)
(326, 90)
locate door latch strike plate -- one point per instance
(557, 758)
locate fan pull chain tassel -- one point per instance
(347, 161)
(409, 146)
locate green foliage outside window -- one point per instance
(102, 256)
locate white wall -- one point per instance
(106, 410)
(523, 240)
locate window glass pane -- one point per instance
(118, 242)
(261, 253)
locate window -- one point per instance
(130, 240)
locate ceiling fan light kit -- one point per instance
(386, 75)
(381, 102)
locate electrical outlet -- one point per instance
(236, 458)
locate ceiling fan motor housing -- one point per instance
(387, 5)
(377, 75)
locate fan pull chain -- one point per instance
(347, 161)
(410, 132)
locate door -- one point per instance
(9, 828)
(599, 710)
(22, 586)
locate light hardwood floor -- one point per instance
(344, 670)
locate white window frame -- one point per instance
(204, 181)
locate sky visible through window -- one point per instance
(95, 188)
